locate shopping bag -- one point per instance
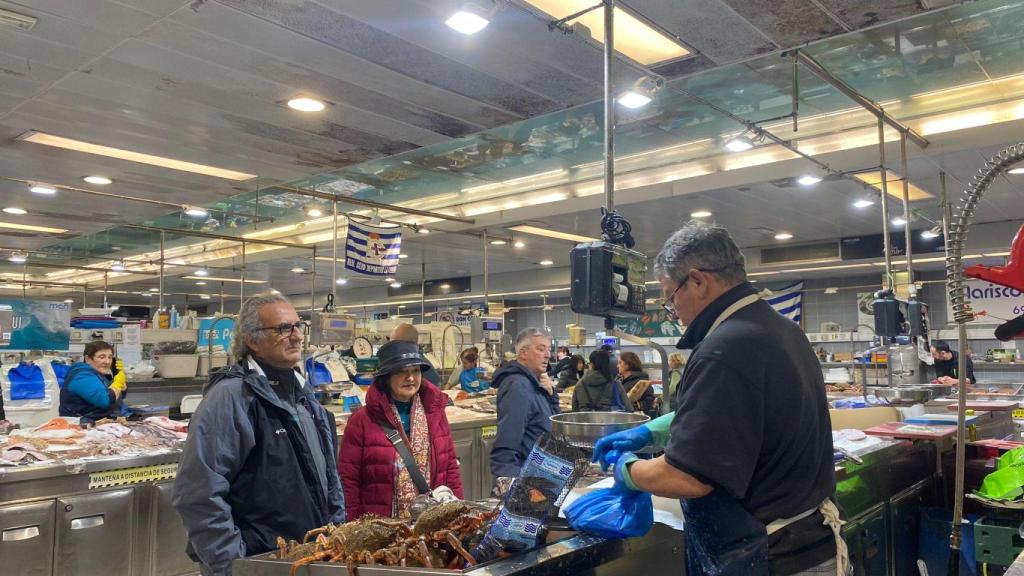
(612, 513)
(26, 382)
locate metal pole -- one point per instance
(222, 297)
(907, 234)
(487, 270)
(160, 304)
(796, 93)
(105, 305)
(609, 107)
(312, 286)
(423, 292)
(334, 252)
(955, 536)
(885, 205)
(241, 285)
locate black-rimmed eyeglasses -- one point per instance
(668, 304)
(286, 329)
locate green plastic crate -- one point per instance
(364, 365)
(997, 540)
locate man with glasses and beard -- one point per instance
(260, 459)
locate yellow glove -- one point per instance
(121, 380)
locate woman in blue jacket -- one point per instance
(90, 391)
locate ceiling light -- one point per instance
(700, 214)
(219, 279)
(389, 279)
(929, 234)
(403, 256)
(314, 211)
(898, 221)
(42, 189)
(1015, 171)
(401, 305)
(832, 290)
(537, 231)
(863, 203)
(298, 270)
(634, 38)
(783, 236)
(154, 289)
(546, 262)
(894, 185)
(202, 272)
(117, 266)
(18, 257)
(809, 179)
(147, 294)
(498, 242)
(204, 296)
(32, 228)
(305, 104)
(99, 150)
(395, 284)
(100, 180)
(469, 19)
(519, 244)
(740, 143)
(446, 286)
(634, 100)
(195, 211)
(15, 210)
(200, 283)
(341, 281)
(422, 230)
(69, 301)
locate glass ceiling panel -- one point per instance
(976, 42)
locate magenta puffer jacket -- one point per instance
(367, 460)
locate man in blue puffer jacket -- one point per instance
(526, 402)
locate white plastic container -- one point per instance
(177, 365)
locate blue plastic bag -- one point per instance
(26, 382)
(612, 513)
(320, 374)
(60, 370)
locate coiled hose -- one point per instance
(960, 222)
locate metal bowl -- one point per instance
(584, 429)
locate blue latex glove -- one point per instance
(624, 441)
(623, 479)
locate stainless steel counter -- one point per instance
(1017, 568)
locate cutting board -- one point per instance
(918, 432)
(947, 419)
(990, 406)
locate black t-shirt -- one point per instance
(950, 367)
(752, 419)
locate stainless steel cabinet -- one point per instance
(94, 534)
(487, 442)
(467, 450)
(169, 537)
(26, 538)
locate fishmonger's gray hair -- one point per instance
(526, 336)
(706, 247)
(248, 323)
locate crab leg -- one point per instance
(454, 542)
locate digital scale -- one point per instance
(485, 329)
(333, 329)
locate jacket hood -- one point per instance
(257, 382)
(593, 379)
(636, 376)
(513, 368)
(378, 404)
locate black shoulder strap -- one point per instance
(403, 450)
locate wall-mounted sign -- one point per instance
(225, 331)
(872, 245)
(993, 300)
(38, 325)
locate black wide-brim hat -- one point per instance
(397, 355)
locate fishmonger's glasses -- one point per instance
(668, 303)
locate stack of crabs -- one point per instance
(441, 538)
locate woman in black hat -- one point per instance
(377, 477)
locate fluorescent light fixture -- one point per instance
(18, 257)
(546, 262)
(1015, 171)
(117, 266)
(929, 234)
(305, 104)
(498, 242)
(395, 284)
(217, 279)
(202, 272)
(146, 294)
(783, 236)
(894, 185)
(341, 281)
(537, 231)
(634, 38)
(204, 296)
(403, 256)
(740, 143)
(519, 244)
(15, 210)
(195, 211)
(389, 279)
(31, 228)
(899, 221)
(68, 301)
(422, 230)
(97, 179)
(200, 283)
(469, 19)
(154, 289)
(121, 154)
(401, 306)
(298, 270)
(634, 100)
(314, 211)
(446, 286)
(44, 189)
(700, 214)
(863, 203)
(809, 179)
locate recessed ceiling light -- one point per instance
(423, 230)
(928, 234)
(740, 143)
(445, 286)
(200, 283)
(700, 214)
(305, 104)
(99, 150)
(395, 284)
(634, 100)
(154, 289)
(341, 281)
(202, 272)
(519, 244)
(389, 279)
(863, 203)
(195, 211)
(100, 180)
(783, 236)
(538, 231)
(898, 221)
(401, 305)
(498, 242)
(403, 256)
(808, 179)
(546, 262)
(15, 210)
(18, 257)
(469, 19)
(147, 294)
(204, 296)
(117, 266)
(298, 270)
(68, 300)
(45, 189)
(314, 211)
(32, 228)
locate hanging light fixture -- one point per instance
(470, 18)
(18, 257)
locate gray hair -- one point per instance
(526, 336)
(248, 322)
(706, 247)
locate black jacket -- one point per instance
(524, 411)
(566, 378)
(247, 475)
(950, 367)
(562, 364)
(646, 400)
(595, 393)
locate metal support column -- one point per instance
(222, 297)
(885, 205)
(907, 234)
(423, 292)
(334, 256)
(487, 271)
(160, 304)
(609, 106)
(241, 285)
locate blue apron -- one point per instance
(722, 538)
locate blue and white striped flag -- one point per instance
(372, 250)
(788, 301)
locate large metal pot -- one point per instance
(583, 429)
